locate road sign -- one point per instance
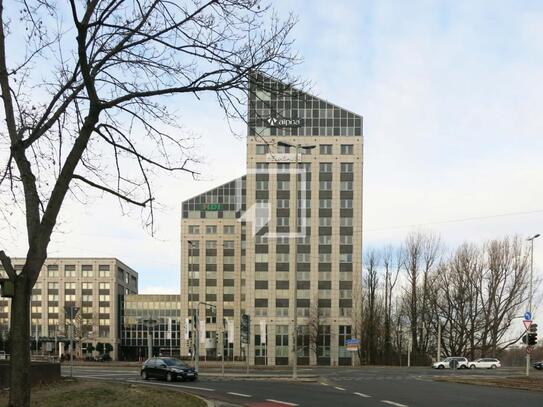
(352, 344)
(529, 350)
(527, 324)
(528, 316)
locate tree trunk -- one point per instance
(19, 394)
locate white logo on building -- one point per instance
(277, 122)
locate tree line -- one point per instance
(474, 291)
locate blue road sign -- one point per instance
(352, 342)
(528, 316)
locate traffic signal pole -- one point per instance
(530, 300)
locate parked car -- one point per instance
(485, 363)
(452, 362)
(169, 369)
(538, 365)
(104, 357)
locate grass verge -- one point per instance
(512, 382)
(76, 393)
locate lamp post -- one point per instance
(531, 291)
(149, 322)
(194, 317)
(294, 278)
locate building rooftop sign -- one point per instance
(281, 122)
(213, 207)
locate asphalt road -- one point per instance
(400, 387)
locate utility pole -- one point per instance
(438, 339)
(531, 294)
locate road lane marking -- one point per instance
(281, 402)
(239, 394)
(171, 385)
(324, 384)
(393, 403)
(361, 394)
(339, 388)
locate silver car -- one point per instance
(485, 363)
(452, 362)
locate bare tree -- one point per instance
(392, 262)
(313, 326)
(370, 317)
(85, 108)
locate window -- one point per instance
(281, 258)
(344, 334)
(325, 203)
(281, 340)
(346, 239)
(325, 185)
(103, 286)
(86, 286)
(229, 229)
(347, 149)
(228, 244)
(345, 258)
(283, 149)
(261, 257)
(346, 204)
(325, 221)
(52, 286)
(283, 203)
(211, 244)
(69, 286)
(69, 270)
(282, 221)
(346, 167)
(211, 259)
(86, 270)
(323, 346)
(103, 270)
(325, 257)
(346, 185)
(304, 257)
(325, 167)
(262, 149)
(261, 185)
(194, 229)
(345, 221)
(283, 168)
(325, 239)
(325, 149)
(262, 168)
(52, 270)
(211, 229)
(283, 185)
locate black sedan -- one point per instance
(168, 369)
(538, 365)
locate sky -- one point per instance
(450, 92)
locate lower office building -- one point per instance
(93, 286)
(282, 242)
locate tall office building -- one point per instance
(282, 244)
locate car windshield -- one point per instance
(174, 362)
(447, 359)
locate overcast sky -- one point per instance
(451, 95)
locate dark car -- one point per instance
(104, 357)
(168, 369)
(538, 365)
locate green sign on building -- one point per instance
(213, 207)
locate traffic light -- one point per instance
(525, 339)
(532, 335)
(245, 328)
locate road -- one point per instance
(368, 386)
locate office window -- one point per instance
(103, 270)
(69, 286)
(283, 185)
(325, 203)
(325, 257)
(52, 286)
(211, 229)
(261, 257)
(283, 149)
(325, 149)
(283, 168)
(325, 167)
(283, 203)
(304, 257)
(262, 149)
(229, 229)
(211, 259)
(347, 149)
(281, 341)
(262, 168)
(194, 229)
(282, 221)
(69, 270)
(345, 258)
(211, 244)
(86, 286)
(346, 167)
(86, 270)
(261, 185)
(346, 239)
(281, 257)
(325, 221)
(103, 286)
(325, 239)
(228, 244)
(346, 204)
(346, 185)
(325, 185)
(52, 270)
(345, 221)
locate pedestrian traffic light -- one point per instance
(532, 335)
(245, 328)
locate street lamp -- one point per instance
(531, 293)
(294, 279)
(149, 322)
(194, 316)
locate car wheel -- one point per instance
(472, 367)
(169, 377)
(144, 375)
(441, 367)
(493, 367)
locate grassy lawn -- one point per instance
(534, 382)
(98, 393)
